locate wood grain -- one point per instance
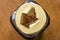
(7, 32)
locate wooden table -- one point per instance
(7, 31)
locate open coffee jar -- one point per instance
(30, 19)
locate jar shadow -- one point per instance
(39, 37)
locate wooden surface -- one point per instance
(7, 32)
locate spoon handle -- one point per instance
(29, 1)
